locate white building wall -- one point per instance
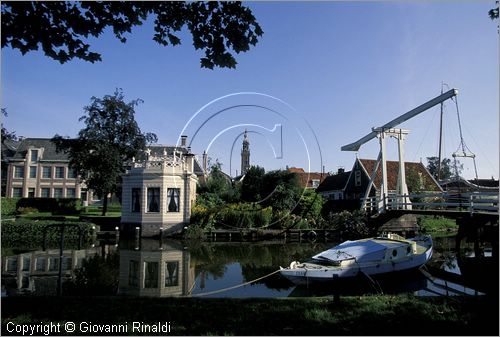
(168, 172)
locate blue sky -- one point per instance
(327, 72)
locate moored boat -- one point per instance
(383, 254)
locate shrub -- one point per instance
(28, 234)
(352, 224)
(9, 205)
(54, 205)
(26, 210)
(194, 232)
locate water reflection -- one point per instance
(155, 269)
(163, 268)
(36, 272)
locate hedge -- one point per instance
(28, 234)
(54, 205)
(9, 205)
(232, 215)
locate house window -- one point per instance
(18, 171)
(12, 264)
(171, 273)
(71, 173)
(70, 193)
(45, 193)
(32, 171)
(34, 155)
(31, 192)
(153, 199)
(59, 172)
(40, 263)
(136, 200)
(17, 192)
(133, 273)
(46, 172)
(58, 192)
(357, 178)
(315, 183)
(53, 263)
(150, 274)
(173, 198)
(26, 263)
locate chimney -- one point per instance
(341, 170)
(183, 140)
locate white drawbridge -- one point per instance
(382, 133)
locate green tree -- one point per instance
(447, 167)
(217, 189)
(281, 190)
(310, 205)
(493, 13)
(61, 28)
(110, 138)
(352, 224)
(7, 135)
(418, 183)
(251, 187)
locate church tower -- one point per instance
(245, 154)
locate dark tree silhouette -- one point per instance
(110, 138)
(60, 28)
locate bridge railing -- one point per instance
(472, 202)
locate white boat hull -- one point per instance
(305, 273)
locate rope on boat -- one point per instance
(236, 286)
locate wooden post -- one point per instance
(59, 277)
(336, 295)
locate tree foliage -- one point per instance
(279, 189)
(310, 205)
(110, 138)
(251, 186)
(418, 183)
(448, 168)
(217, 189)
(493, 13)
(352, 224)
(6, 134)
(61, 28)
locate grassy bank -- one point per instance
(437, 225)
(367, 315)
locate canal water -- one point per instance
(179, 268)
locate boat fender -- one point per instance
(312, 236)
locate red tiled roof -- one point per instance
(393, 170)
(306, 178)
(296, 170)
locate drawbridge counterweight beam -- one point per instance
(395, 122)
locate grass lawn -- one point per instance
(365, 315)
(88, 211)
(437, 225)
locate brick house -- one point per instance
(33, 168)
